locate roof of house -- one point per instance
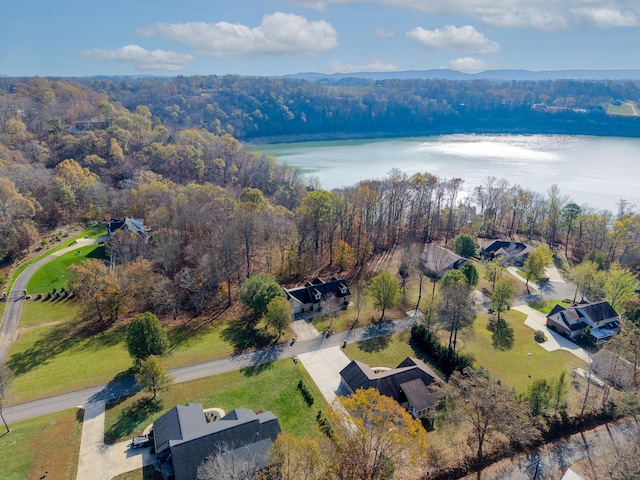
(182, 422)
(411, 379)
(128, 224)
(309, 291)
(598, 311)
(184, 432)
(439, 259)
(574, 316)
(505, 247)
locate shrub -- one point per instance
(447, 360)
(539, 336)
(306, 394)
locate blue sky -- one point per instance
(277, 37)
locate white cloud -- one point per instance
(384, 33)
(319, 5)
(142, 58)
(606, 18)
(464, 39)
(549, 15)
(371, 64)
(278, 34)
(470, 65)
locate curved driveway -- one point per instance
(11, 317)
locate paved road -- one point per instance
(9, 324)
(127, 386)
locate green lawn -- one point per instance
(48, 443)
(513, 366)
(57, 359)
(55, 274)
(95, 231)
(382, 352)
(547, 305)
(273, 386)
(40, 312)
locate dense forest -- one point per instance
(163, 149)
(254, 108)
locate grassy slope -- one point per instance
(55, 438)
(55, 273)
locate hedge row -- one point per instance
(446, 360)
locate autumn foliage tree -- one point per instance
(491, 412)
(375, 437)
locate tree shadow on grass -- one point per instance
(132, 419)
(192, 327)
(502, 336)
(243, 335)
(59, 339)
(375, 344)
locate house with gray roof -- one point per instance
(412, 383)
(513, 252)
(310, 296)
(570, 322)
(183, 438)
(436, 260)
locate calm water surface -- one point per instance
(597, 171)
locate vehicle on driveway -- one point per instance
(141, 441)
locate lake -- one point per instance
(598, 171)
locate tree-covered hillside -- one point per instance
(255, 108)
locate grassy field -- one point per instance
(383, 352)
(273, 386)
(508, 359)
(49, 443)
(625, 108)
(40, 312)
(56, 359)
(55, 274)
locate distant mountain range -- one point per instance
(497, 75)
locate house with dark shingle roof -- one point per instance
(127, 225)
(570, 322)
(183, 438)
(436, 260)
(514, 252)
(411, 384)
(310, 296)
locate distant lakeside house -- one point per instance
(311, 296)
(515, 252)
(600, 318)
(436, 260)
(411, 383)
(183, 438)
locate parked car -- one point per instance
(141, 441)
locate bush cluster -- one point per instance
(539, 336)
(446, 360)
(308, 397)
(323, 423)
